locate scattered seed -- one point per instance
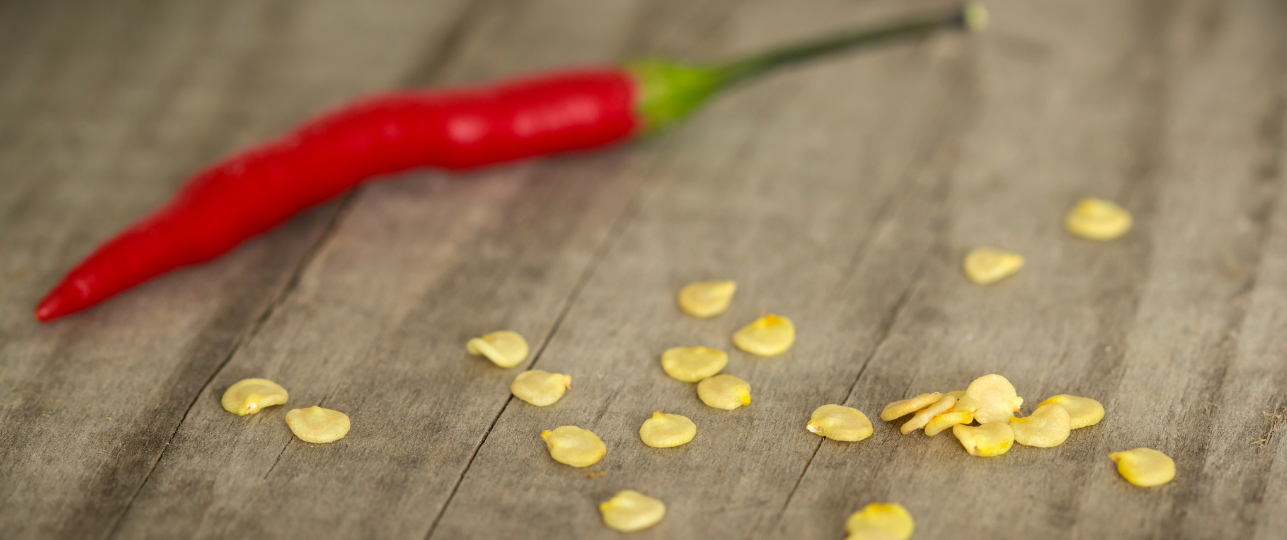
(996, 397)
(1082, 411)
(1097, 219)
(1047, 427)
(1144, 467)
(987, 265)
(250, 396)
(986, 440)
(667, 430)
(692, 364)
(540, 388)
(630, 511)
(724, 392)
(923, 417)
(840, 423)
(880, 521)
(571, 445)
(904, 407)
(705, 299)
(505, 348)
(946, 420)
(318, 425)
(769, 335)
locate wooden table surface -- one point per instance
(841, 195)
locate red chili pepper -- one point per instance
(250, 192)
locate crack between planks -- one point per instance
(887, 326)
(345, 206)
(614, 233)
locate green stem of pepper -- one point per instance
(670, 90)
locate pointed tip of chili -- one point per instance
(60, 302)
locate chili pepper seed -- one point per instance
(318, 425)
(987, 440)
(540, 388)
(692, 364)
(923, 417)
(505, 348)
(1047, 427)
(1097, 219)
(840, 423)
(987, 265)
(880, 521)
(996, 398)
(769, 335)
(250, 396)
(904, 407)
(724, 392)
(630, 511)
(705, 299)
(1082, 411)
(667, 430)
(1144, 467)
(571, 445)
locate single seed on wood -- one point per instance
(769, 335)
(539, 387)
(706, 299)
(840, 423)
(1097, 219)
(724, 392)
(1144, 467)
(505, 348)
(318, 425)
(630, 511)
(250, 396)
(880, 521)
(571, 445)
(692, 364)
(987, 265)
(667, 430)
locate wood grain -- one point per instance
(841, 195)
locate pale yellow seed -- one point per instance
(630, 511)
(1097, 219)
(769, 335)
(505, 348)
(540, 388)
(1144, 467)
(904, 407)
(667, 430)
(965, 403)
(987, 265)
(946, 420)
(958, 394)
(1082, 411)
(318, 425)
(706, 298)
(840, 423)
(880, 521)
(1046, 427)
(571, 445)
(986, 440)
(997, 400)
(692, 364)
(923, 417)
(250, 396)
(724, 392)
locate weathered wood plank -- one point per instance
(785, 187)
(106, 107)
(377, 324)
(1151, 105)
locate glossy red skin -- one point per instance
(252, 191)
